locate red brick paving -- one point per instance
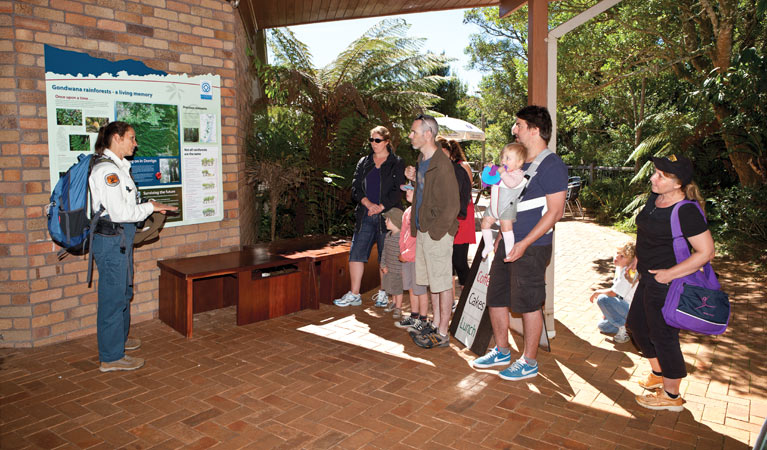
(347, 378)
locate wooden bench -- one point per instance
(261, 285)
(264, 281)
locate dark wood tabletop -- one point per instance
(222, 263)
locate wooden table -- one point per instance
(262, 285)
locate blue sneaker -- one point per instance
(348, 299)
(381, 299)
(493, 358)
(519, 371)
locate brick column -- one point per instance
(43, 300)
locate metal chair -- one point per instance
(479, 211)
(573, 189)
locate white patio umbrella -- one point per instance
(460, 130)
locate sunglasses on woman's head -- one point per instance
(376, 140)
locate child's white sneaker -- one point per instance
(621, 337)
(381, 299)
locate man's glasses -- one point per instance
(376, 140)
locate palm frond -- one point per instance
(289, 51)
(381, 78)
(635, 206)
(648, 146)
(643, 173)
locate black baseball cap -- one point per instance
(676, 164)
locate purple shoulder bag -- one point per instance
(694, 302)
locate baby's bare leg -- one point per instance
(487, 234)
(487, 222)
(507, 231)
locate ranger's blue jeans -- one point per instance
(615, 310)
(115, 291)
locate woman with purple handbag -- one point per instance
(658, 267)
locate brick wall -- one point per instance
(43, 300)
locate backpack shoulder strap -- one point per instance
(103, 159)
(96, 215)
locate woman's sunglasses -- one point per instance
(376, 140)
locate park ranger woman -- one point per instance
(112, 188)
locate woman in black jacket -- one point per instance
(375, 189)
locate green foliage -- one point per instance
(742, 90)
(378, 79)
(497, 135)
(330, 211)
(79, 143)
(673, 128)
(740, 214)
(500, 52)
(319, 118)
(280, 133)
(649, 58)
(450, 91)
(72, 117)
(606, 199)
(738, 220)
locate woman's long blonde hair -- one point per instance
(691, 191)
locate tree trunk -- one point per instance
(318, 148)
(639, 119)
(258, 201)
(742, 160)
(722, 22)
(300, 210)
(273, 199)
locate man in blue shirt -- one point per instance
(518, 282)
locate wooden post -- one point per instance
(483, 125)
(538, 30)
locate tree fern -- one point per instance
(381, 77)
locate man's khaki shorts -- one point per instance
(434, 262)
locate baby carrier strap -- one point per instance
(532, 170)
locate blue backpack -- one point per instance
(68, 221)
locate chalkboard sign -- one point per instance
(471, 321)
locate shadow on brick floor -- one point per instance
(347, 378)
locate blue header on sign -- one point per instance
(64, 62)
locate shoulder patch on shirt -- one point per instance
(112, 179)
